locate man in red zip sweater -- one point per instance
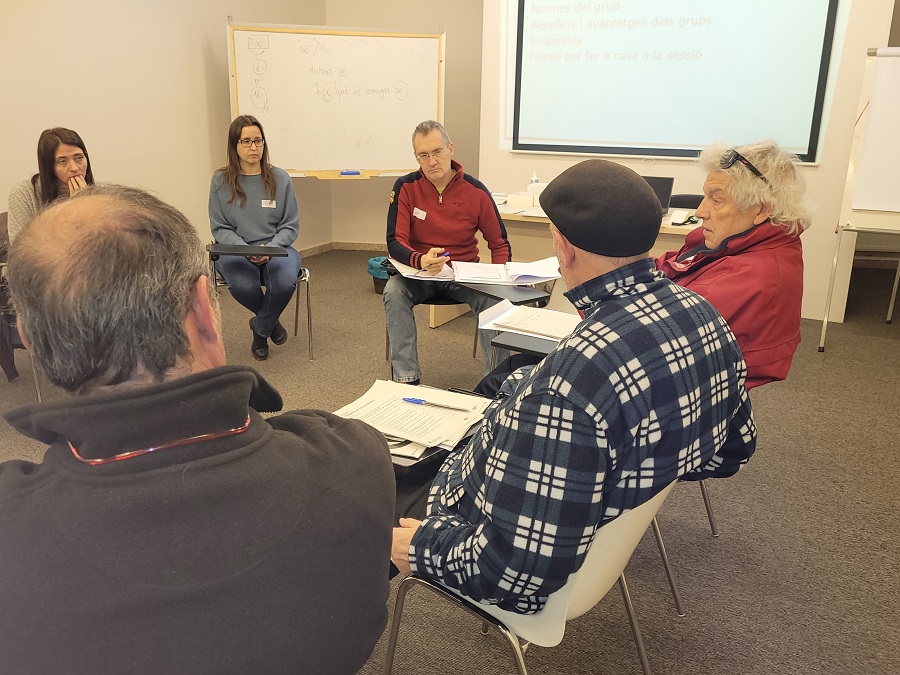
(433, 218)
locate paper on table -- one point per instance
(509, 274)
(534, 212)
(507, 210)
(383, 407)
(545, 323)
(446, 273)
(481, 272)
(546, 268)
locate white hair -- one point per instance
(783, 191)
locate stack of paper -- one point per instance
(442, 418)
(545, 323)
(508, 274)
(446, 273)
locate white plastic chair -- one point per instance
(610, 551)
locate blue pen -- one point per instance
(445, 254)
(422, 401)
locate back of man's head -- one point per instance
(102, 284)
(603, 208)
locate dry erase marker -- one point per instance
(350, 172)
(422, 401)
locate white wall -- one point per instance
(145, 84)
(359, 208)
(865, 24)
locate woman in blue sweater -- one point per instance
(253, 202)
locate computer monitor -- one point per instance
(662, 186)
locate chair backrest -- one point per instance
(685, 201)
(4, 235)
(558, 301)
(610, 551)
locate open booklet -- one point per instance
(414, 418)
(507, 274)
(545, 323)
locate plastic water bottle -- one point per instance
(534, 187)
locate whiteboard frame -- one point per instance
(230, 28)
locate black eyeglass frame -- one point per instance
(732, 156)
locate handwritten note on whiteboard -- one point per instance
(336, 99)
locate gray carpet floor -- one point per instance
(805, 577)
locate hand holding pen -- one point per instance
(433, 261)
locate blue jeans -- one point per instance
(401, 295)
(245, 281)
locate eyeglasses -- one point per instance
(424, 157)
(258, 142)
(732, 156)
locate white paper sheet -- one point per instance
(545, 323)
(383, 407)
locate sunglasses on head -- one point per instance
(732, 156)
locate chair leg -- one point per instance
(890, 312)
(309, 330)
(297, 309)
(709, 509)
(402, 590)
(404, 587)
(518, 653)
(475, 341)
(635, 629)
(37, 383)
(676, 597)
(304, 278)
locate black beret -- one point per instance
(604, 208)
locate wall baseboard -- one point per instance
(342, 246)
(358, 246)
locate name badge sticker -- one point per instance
(268, 203)
(419, 213)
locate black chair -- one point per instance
(9, 334)
(215, 250)
(685, 201)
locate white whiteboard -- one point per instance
(333, 100)
(877, 188)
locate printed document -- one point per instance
(545, 323)
(429, 424)
(508, 274)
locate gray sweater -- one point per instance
(23, 205)
(260, 221)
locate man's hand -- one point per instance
(258, 259)
(400, 548)
(76, 183)
(433, 261)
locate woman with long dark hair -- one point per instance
(253, 202)
(64, 168)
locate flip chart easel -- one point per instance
(871, 199)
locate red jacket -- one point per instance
(756, 282)
(420, 219)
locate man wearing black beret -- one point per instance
(648, 388)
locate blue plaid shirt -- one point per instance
(648, 388)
